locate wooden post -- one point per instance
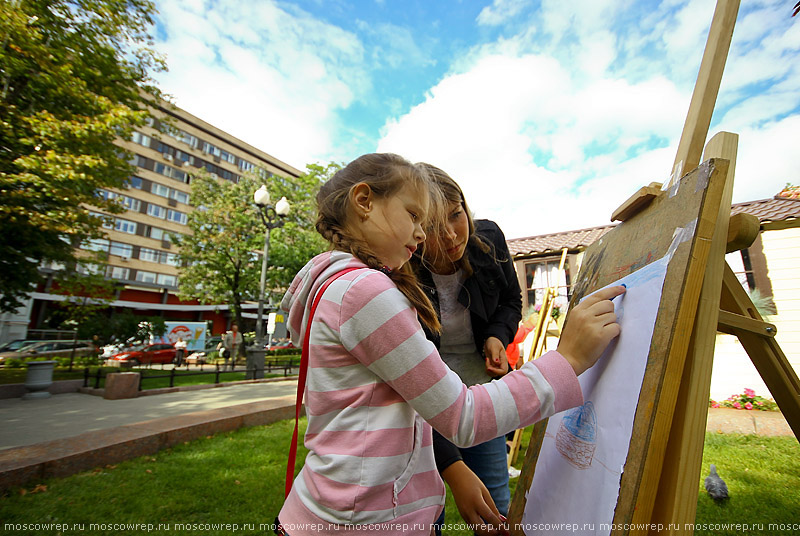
(698, 119)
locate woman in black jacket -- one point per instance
(467, 271)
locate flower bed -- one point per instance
(748, 400)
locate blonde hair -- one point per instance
(451, 193)
(385, 174)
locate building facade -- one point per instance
(139, 254)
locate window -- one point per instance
(180, 197)
(159, 189)
(141, 139)
(122, 250)
(171, 259)
(125, 226)
(107, 220)
(211, 149)
(177, 217)
(156, 211)
(139, 161)
(134, 182)
(95, 244)
(228, 157)
(167, 280)
(542, 275)
(147, 254)
(145, 277)
(184, 157)
(117, 272)
(169, 171)
(244, 165)
(128, 202)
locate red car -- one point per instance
(144, 354)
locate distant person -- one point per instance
(180, 351)
(231, 342)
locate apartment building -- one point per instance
(140, 256)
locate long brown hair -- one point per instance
(386, 174)
(451, 193)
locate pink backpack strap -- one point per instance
(301, 379)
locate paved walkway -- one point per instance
(26, 422)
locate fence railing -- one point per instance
(285, 364)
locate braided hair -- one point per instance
(385, 174)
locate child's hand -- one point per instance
(473, 500)
(496, 359)
(590, 327)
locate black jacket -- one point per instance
(494, 300)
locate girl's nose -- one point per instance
(419, 234)
(450, 232)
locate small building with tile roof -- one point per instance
(768, 269)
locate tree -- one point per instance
(220, 257)
(73, 78)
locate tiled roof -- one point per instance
(766, 210)
(557, 241)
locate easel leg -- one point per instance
(676, 500)
(767, 356)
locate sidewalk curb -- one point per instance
(64, 457)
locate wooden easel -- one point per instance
(539, 343)
(661, 478)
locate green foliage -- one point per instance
(13, 363)
(220, 258)
(764, 304)
(73, 77)
(120, 326)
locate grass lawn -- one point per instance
(238, 478)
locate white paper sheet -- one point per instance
(576, 483)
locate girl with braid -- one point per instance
(376, 385)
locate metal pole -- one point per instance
(260, 323)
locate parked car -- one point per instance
(16, 344)
(50, 349)
(148, 353)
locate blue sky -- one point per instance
(548, 113)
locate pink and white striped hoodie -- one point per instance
(375, 387)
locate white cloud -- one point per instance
(500, 11)
(273, 79)
(556, 140)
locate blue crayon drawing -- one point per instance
(577, 436)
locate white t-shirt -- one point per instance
(457, 346)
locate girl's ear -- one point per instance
(361, 197)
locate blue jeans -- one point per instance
(490, 462)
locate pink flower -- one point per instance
(759, 403)
(749, 393)
(737, 405)
(714, 404)
(748, 406)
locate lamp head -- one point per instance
(261, 196)
(282, 207)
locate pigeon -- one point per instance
(715, 486)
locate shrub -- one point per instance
(13, 363)
(748, 400)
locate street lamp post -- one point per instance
(273, 218)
